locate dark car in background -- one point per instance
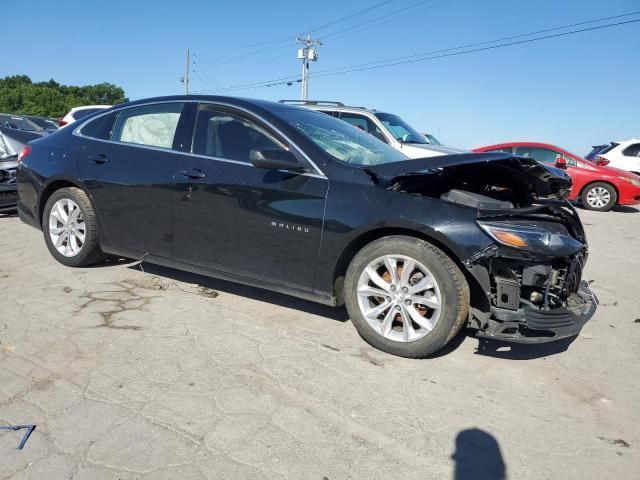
(12, 144)
(19, 122)
(48, 124)
(294, 200)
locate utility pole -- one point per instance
(185, 79)
(308, 52)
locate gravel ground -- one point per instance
(140, 375)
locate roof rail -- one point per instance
(313, 102)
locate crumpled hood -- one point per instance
(12, 140)
(501, 170)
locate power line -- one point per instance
(271, 44)
(362, 67)
(424, 56)
(487, 42)
(199, 65)
(383, 17)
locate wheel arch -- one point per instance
(612, 185)
(365, 238)
(52, 187)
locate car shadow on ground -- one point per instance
(625, 209)
(504, 350)
(486, 347)
(339, 314)
(522, 351)
(112, 262)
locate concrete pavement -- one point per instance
(150, 375)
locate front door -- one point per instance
(234, 217)
(128, 170)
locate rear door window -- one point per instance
(152, 125)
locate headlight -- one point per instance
(633, 181)
(531, 238)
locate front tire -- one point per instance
(70, 228)
(599, 196)
(405, 296)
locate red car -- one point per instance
(595, 185)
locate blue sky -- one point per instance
(574, 91)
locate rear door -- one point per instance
(234, 217)
(128, 170)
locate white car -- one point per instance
(624, 155)
(387, 127)
(77, 113)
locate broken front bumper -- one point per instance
(532, 325)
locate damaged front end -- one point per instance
(533, 247)
(534, 275)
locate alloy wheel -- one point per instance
(66, 227)
(399, 298)
(598, 197)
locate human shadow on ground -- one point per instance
(478, 456)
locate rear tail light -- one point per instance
(23, 154)
(602, 161)
(61, 122)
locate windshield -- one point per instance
(432, 140)
(340, 139)
(20, 123)
(401, 131)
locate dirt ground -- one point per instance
(148, 375)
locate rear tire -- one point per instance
(599, 196)
(70, 228)
(427, 305)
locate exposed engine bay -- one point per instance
(531, 277)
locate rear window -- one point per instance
(84, 112)
(100, 127)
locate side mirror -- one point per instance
(561, 162)
(275, 159)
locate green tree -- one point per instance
(19, 95)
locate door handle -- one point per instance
(193, 173)
(99, 159)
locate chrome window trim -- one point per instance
(78, 133)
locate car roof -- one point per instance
(84, 107)
(329, 105)
(531, 144)
(239, 101)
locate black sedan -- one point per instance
(293, 200)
